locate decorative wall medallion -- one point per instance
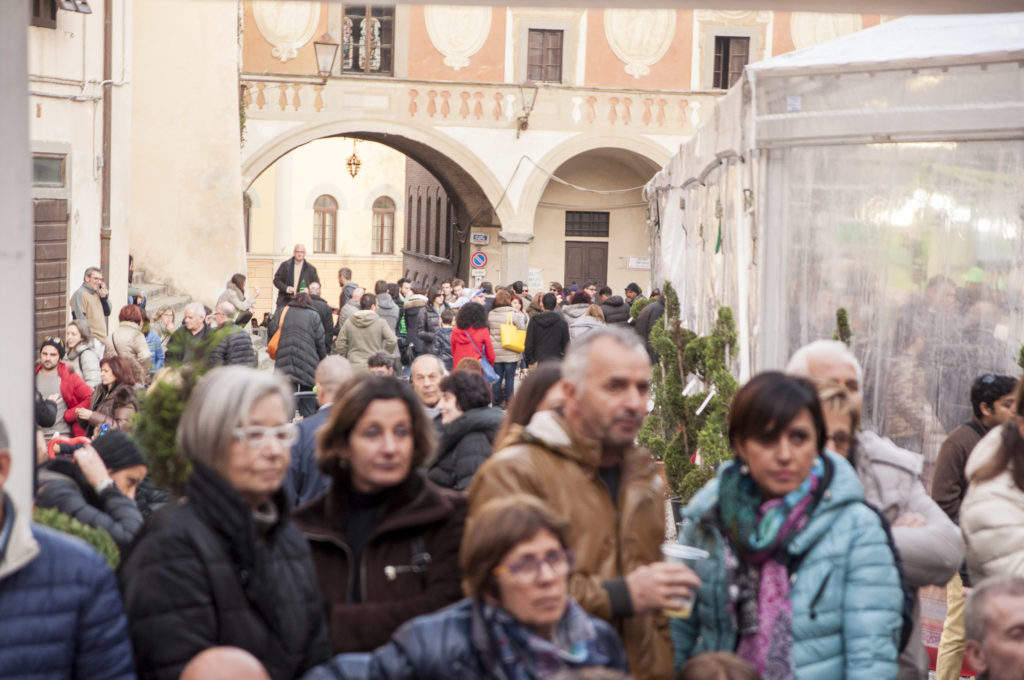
(639, 37)
(457, 32)
(812, 28)
(286, 24)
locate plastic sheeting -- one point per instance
(893, 190)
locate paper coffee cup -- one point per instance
(688, 555)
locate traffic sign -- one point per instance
(479, 260)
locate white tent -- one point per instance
(882, 172)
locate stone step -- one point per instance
(152, 290)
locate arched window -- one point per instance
(325, 221)
(383, 226)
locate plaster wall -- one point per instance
(65, 65)
(186, 200)
(627, 219)
(284, 216)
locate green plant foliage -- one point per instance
(160, 410)
(674, 431)
(97, 538)
(638, 306)
(842, 332)
(1020, 357)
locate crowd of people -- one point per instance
(445, 482)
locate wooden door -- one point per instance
(51, 250)
(586, 262)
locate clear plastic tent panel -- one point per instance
(923, 244)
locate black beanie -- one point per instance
(117, 451)
(56, 343)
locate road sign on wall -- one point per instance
(478, 260)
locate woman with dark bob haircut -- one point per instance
(801, 580)
(470, 425)
(517, 620)
(113, 401)
(471, 336)
(385, 539)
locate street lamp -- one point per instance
(326, 49)
(525, 89)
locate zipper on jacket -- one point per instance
(817, 596)
(348, 554)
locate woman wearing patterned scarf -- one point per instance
(518, 622)
(801, 581)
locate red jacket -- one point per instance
(75, 393)
(461, 347)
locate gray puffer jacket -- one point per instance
(235, 349)
(301, 346)
(616, 311)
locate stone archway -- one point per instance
(470, 184)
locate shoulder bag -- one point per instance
(489, 373)
(274, 341)
(512, 337)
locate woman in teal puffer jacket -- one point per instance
(801, 581)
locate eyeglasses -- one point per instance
(527, 569)
(257, 436)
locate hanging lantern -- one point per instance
(353, 162)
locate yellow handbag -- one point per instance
(512, 338)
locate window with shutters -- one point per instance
(544, 56)
(586, 223)
(383, 226)
(325, 221)
(368, 40)
(731, 55)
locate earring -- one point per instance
(744, 470)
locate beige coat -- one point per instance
(992, 516)
(609, 540)
(128, 341)
(495, 318)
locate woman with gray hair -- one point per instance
(225, 566)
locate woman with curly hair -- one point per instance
(471, 337)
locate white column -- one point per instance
(17, 256)
(283, 237)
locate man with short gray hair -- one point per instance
(994, 628)
(582, 462)
(60, 611)
(183, 345)
(90, 303)
(236, 347)
(929, 543)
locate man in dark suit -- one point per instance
(294, 276)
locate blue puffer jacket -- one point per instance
(846, 593)
(455, 642)
(60, 612)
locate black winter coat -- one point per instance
(427, 322)
(467, 442)
(616, 311)
(547, 336)
(321, 307)
(202, 574)
(301, 346)
(234, 350)
(455, 642)
(285, 276)
(62, 485)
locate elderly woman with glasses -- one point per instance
(518, 620)
(224, 566)
(385, 539)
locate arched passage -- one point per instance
(591, 227)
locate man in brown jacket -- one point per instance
(582, 462)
